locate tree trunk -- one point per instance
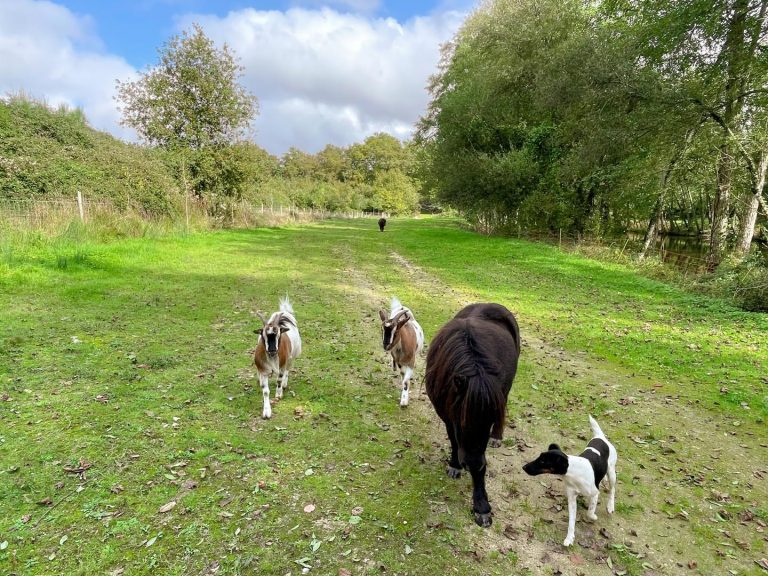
(719, 229)
(736, 54)
(749, 217)
(658, 209)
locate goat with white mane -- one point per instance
(279, 344)
(403, 339)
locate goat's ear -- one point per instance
(284, 329)
(383, 315)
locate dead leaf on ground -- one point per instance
(309, 508)
(45, 501)
(116, 489)
(167, 507)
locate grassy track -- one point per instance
(131, 359)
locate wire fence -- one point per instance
(50, 212)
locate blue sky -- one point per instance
(331, 71)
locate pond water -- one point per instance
(684, 252)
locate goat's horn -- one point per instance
(261, 315)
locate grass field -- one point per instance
(131, 440)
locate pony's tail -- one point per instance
(483, 401)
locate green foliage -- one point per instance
(598, 118)
(47, 153)
(743, 280)
(191, 99)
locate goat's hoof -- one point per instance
(591, 517)
(494, 443)
(568, 541)
(483, 520)
(453, 472)
(267, 414)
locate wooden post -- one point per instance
(80, 206)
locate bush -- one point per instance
(745, 282)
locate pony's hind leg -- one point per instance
(480, 505)
(497, 434)
(454, 467)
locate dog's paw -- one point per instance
(494, 443)
(568, 541)
(453, 472)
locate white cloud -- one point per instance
(323, 77)
(49, 53)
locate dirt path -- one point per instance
(687, 477)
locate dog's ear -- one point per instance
(554, 447)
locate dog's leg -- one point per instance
(593, 498)
(612, 487)
(572, 494)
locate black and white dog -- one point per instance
(582, 474)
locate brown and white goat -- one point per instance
(403, 339)
(279, 344)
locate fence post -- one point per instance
(186, 209)
(80, 206)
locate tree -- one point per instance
(191, 99)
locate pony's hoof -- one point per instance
(494, 443)
(453, 472)
(483, 520)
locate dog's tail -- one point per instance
(598, 433)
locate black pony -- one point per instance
(382, 223)
(470, 367)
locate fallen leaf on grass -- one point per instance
(354, 519)
(150, 542)
(692, 564)
(26, 518)
(116, 489)
(45, 501)
(189, 484)
(63, 539)
(81, 467)
(3, 544)
(763, 563)
(309, 508)
(344, 572)
(408, 550)
(167, 507)
(357, 510)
